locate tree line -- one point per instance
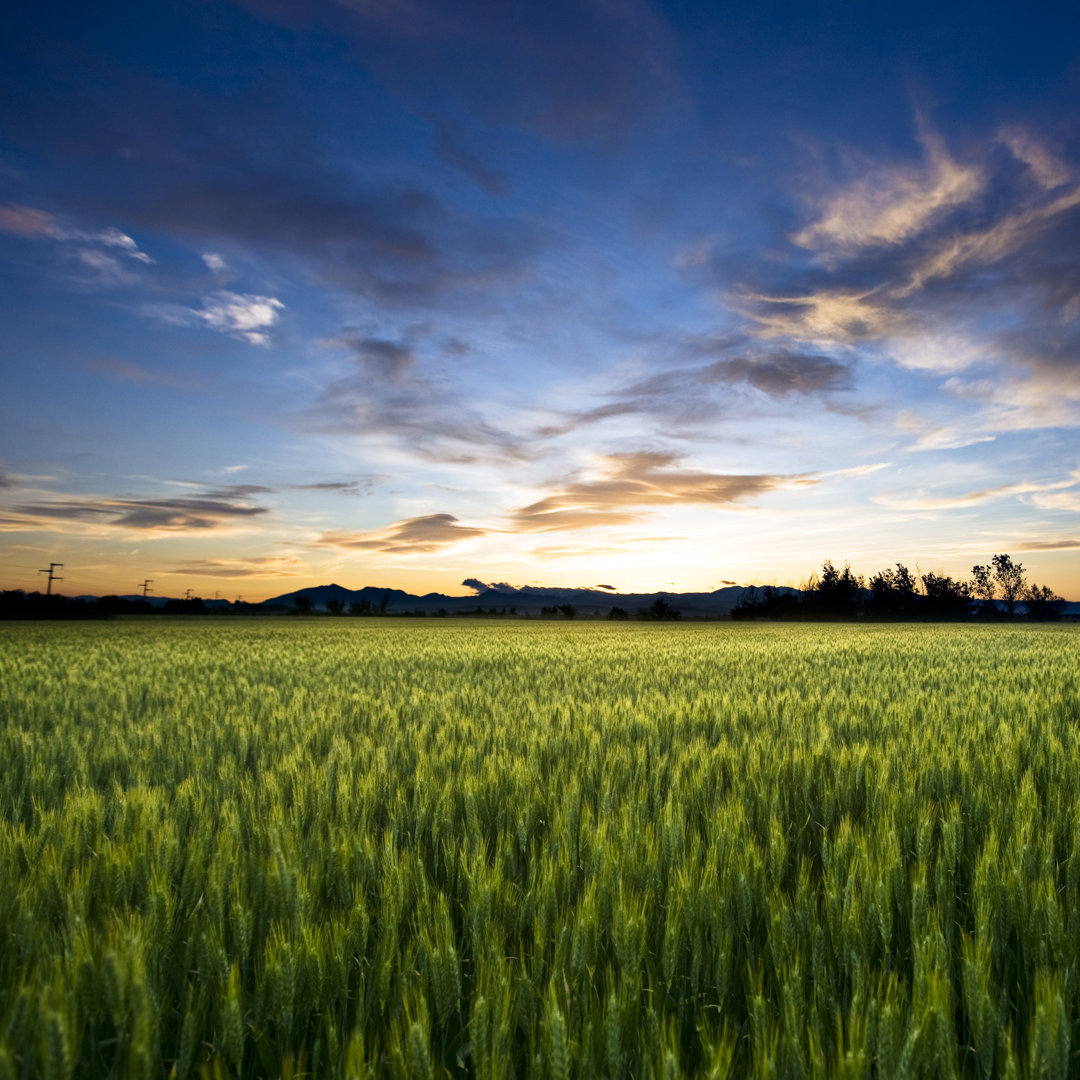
(999, 589)
(995, 590)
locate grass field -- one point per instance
(427, 849)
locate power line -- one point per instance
(52, 576)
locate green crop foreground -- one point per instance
(428, 849)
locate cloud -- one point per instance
(632, 485)
(397, 243)
(246, 317)
(418, 535)
(944, 268)
(973, 498)
(982, 247)
(27, 221)
(1045, 166)
(214, 261)
(6, 481)
(527, 590)
(684, 396)
(1064, 543)
(234, 491)
(394, 233)
(32, 222)
(109, 238)
(388, 397)
(1059, 500)
(243, 316)
(891, 204)
(781, 373)
(388, 360)
(271, 566)
(344, 487)
(207, 511)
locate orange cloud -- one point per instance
(646, 481)
(431, 532)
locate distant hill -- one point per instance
(528, 600)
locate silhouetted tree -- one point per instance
(360, 607)
(1041, 602)
(773, 604)
(618, 613)
(303, 605)
(568, 611)
(189, 606)
(661, 611)
(335, 605)
(837, 592)
(946, 598)
(1010, 579)
(983, 583)
(894, 592)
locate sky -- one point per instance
(659, 295)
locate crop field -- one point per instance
(369, 848)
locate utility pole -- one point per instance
(53, 566)
(145, 586)
(187, 594)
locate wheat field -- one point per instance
(412, 849)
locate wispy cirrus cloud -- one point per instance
(687, 396)
(389, 396)
(27, 221)
(30, 221)
(632, 486)
(418, 535)
(1047, 168)
(341, 487)
(100, 252)
(208, 510)
(890, 205)
(270, 566)
(1063, 543)
(945, 268)
(961, 500)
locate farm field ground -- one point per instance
(413, 849)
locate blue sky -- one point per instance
(662, 295)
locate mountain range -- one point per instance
(527, 600)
